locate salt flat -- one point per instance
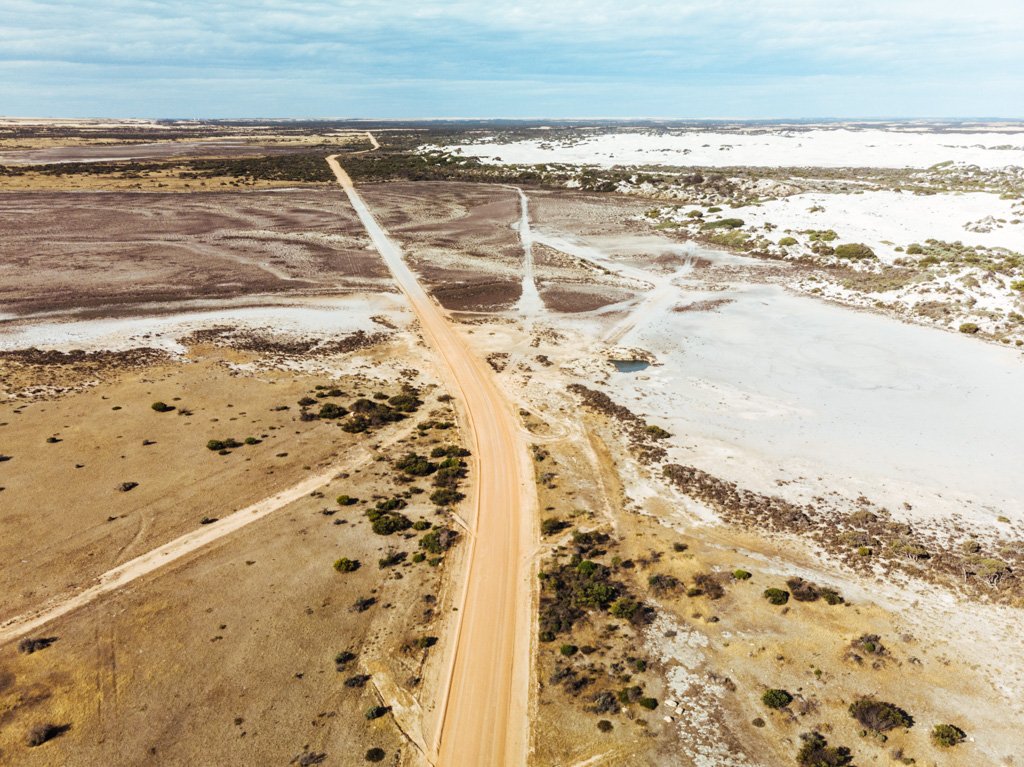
(823, 148)
(778, 386)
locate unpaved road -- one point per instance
(164, 555)
(483, 710)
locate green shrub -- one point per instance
(913, 249)
(947, 735)
(656, 432)
(879, 716)
(816, 752)
(446, 497)
(415, 465)
(776, 596)
(1017, 285)
(624, 608)
(421, 525)
(821, 235)
(723, 223)
(347, 500)
(568, 650)
(405, 403)
(418, 557)
(307, 401)
(252, 441)
(375, 755)
(376, 712)
(741, 575)
(346, 565)
(649, 703)
(832, 597)
(390, 522)
(439, 540)
(329, 410)
(776, 698)
(222, 444)
(162, 407)
(391, 504)
(969, 327)
(426, 642)
(786, 242)
(854, 251)
(714, 209)
(343, 658)
(604, 725)
(552, 525)
(391, 559)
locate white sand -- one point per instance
(326, 318)
(823, 148)
(899, 218)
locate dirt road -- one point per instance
(120, 576)
(484, 703)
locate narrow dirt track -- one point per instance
(483, 710)
(190, 542)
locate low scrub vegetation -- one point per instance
(947, 735)
(816, 752)
(776, 698)
(879, 716)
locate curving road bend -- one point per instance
(483, 706)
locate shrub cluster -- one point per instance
(816, 752)
(571, 589)
(947, 735)
(776, 596)
(776, 698)
(879, 716)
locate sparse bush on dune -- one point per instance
(415, 465)
(776, 596)
(330, 410)
(854, 251)
(446, 497)
(439, 540)
(776, 698)
(947, 735)
(346, 565)
(816, 752)
(162, 407)
(662, 583)
(552, 526)
(222, 444)
(879, 716)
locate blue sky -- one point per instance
(525, 58)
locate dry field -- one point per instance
(653, 642)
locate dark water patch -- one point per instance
(630, 366)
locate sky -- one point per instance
(516, 59)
